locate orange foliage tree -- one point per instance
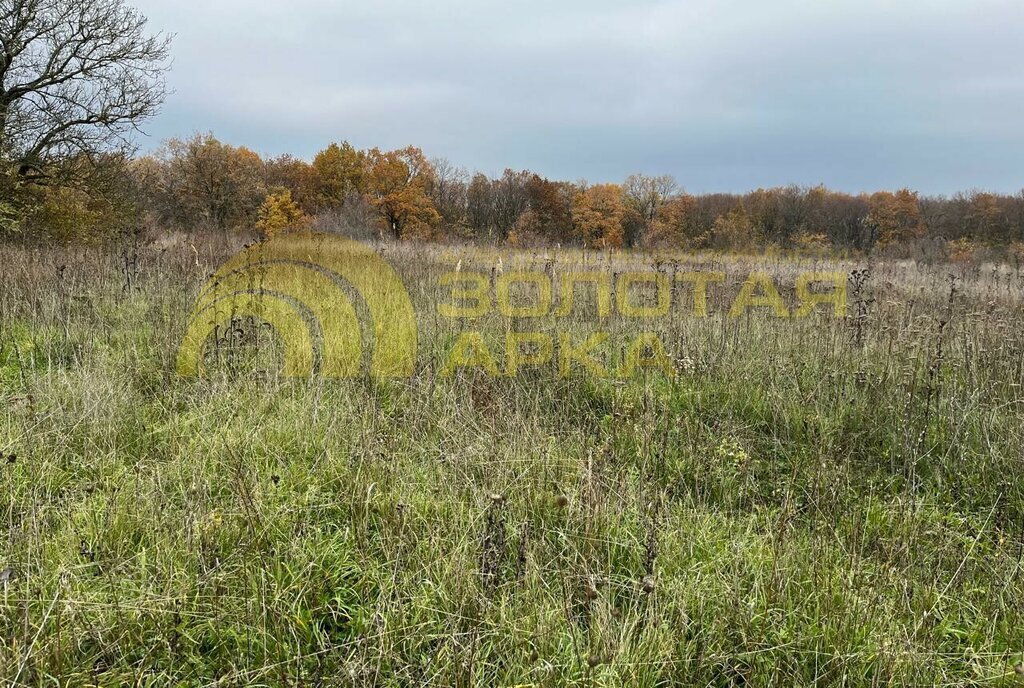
(895, 218)
(676, 225)
(397, 182)
(597, 216)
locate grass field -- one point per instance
(809, 500)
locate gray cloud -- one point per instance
(725, 94)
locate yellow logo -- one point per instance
(300, 287)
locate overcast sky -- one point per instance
(727, 95)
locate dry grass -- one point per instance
(808, 501)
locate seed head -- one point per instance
(647, 584)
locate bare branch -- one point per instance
(76, 77)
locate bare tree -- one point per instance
(76, 77)
(448, 192)
(644, 196)
(510, 200)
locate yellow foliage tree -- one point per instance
(895, 217)
(597, 216)
(340, 171)
(280, 214)
(735, 230)
(298, 176)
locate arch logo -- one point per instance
(337, 308)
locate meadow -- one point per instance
(815, 500)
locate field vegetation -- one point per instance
(809, 500)
(812, 500)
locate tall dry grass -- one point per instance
(808, 501)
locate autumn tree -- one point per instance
(296, 175)
(676, 225)
(841, 218)
(550, 207)
(528, 231)
(780, 213)
(735, 231)
(340, 172)
(101, 205)
(644, 196)
(986, 218)
(894, 218)
(793, 216)
(280, 214)
(764, 207)
(201, 180)
(808, 228)
(397, 182)
(597, 213)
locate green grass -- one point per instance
(792, 509)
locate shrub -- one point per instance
(280, 214)
(961, 250)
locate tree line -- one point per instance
(78, 77)
(203, 184)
